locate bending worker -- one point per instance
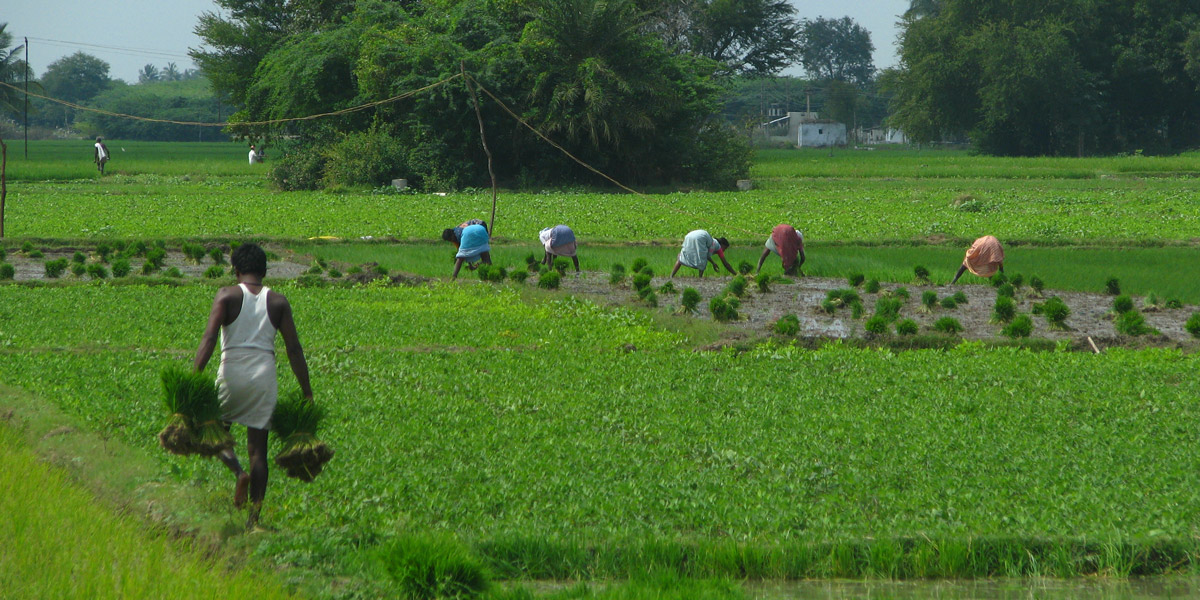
(788, 244)
(984, 258)
(698, 250)
(559, 241)
(455, 234)
(472, 247)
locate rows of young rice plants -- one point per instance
(1056, 211)
(564, 439)
(938, 163)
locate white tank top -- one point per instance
(252, 328)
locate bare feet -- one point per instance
(242, 490)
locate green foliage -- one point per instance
(1112, 286)
(842, 297)
(425, 567)
(1004, 309)
(1056, 312)
(214, 272)
(744, 267)
(855, 279)
(617, 274)
(1193, 325)
(829, 306)
(638, 264)
(1174, 303)
(878, 324)
(689, 300)
(518, 275)
(1122, 304)
(156, 257)
(947, 325)
(900, 292)
(26, 247)
(1020, 327)
(3, 252)
(190, 100)
(960, 297)
(7, 271)
(998, 280)
(667, 288)
(1132, 323)
(872, 286)
(888, 308)
(193, 252)
(36, 254)
(97, 271)
(336, 274)
(120, 267)
(174, 273)
(549, 280)
(369, 158)
(641, 281)
(737, 286)
(1036, 283)
(949, 302)
(77, 269)
(722, 309)
(103, 250)
(763, 281)
(55, 268)
(78, 257)
(561, 265)
(1006, 290)
(788, 324)
(492, 273)
(217, 255)
(856, 310)
(921, 274)
(1017, 280)
(929, 299)
(906, 327)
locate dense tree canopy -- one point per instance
(836, 50)
(76, 78)
(1051, 76)
(751, 37)
(589, 73)
(184, 100)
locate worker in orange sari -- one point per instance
(788, 243)
(984, 258)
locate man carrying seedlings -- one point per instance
(559, 241)
(787, 243)
(984, 258)
(698, 250)
(247, 316)
(472, 247)
(101, 155)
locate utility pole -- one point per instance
(26, 102)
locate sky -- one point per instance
(131, 33)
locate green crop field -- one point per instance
(509, 436)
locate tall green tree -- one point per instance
(836, 49)
(149, 74)
(76, 78)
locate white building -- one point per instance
(820, 133)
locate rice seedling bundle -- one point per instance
(745, 267)
(193, 426)
(689, 299)
(561, 265)
(7, 271)
(549, 280)
(295, 423)
(788, 324)
(763, 281)
(639, 264)
(1113, 286)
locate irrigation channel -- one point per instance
(1148, 588)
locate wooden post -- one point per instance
(482, 138)
(3, 182)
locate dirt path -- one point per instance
(1089, 312)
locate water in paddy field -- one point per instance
(1150, 588)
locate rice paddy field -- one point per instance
(505, 441)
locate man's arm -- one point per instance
(208, 341)
(762, 259)
(295, 353)
(726, 263)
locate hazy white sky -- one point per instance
(131, 33)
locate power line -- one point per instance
(118, 49)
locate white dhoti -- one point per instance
(247, 387)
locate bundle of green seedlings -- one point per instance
(745, 267)
(55, 268)
(549, 280)
(763, 281)
(724, 308)
(1055, 311)
(7, 271)
(1193, 325)
(531, 263)
(493, 273)
(737, 286)
(921, 274)
(835, 299)
(193, 252)
(1112, 285)
(929, 299)
(855, 279)
(872, 286)
(689, 300)
(639, 264)
(561, 265)
(193, 426)
(295, 423)
(617, 274)
(788, 324)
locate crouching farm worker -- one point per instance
(247, 316)
(698, 250)
(559, 241)
(473, 247)
(454, 235)
(984, 258)
(788, 243)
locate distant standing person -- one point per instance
(698, 250)
(558, 241)
(472, 248)
(247, 316)
(255, 156)
(984, 258)
(788, 243)
(101, 155)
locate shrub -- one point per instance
(907, 327)
(1132, 323)
(763, 281)
(641, 281)
(877, 324)
(549, 280)
(214, 272)
(667, 288)
(364, 158)
(947, 325)
(1122, 304)
(55, 268)
(37, 254)
(928, 300)
(1174, 303)
(194, 252)
(722, 310)
(639, 264)
(334, 273)
(616, 273)
(855, 279)
(1020, 327)
(689, 300)
(1004, 310)
(737, 286)
(872, 286)
(218, 257)
(174, 272)
(888, 308)
(561, 265)
(7, 271)
(829, 306)
(1035, 282)
(1007, 290)
(1113, 286)
(1056, 312)
(998, 280)
(77, 269)
(120, 267)
(97, 271)
(900, 292)
(103, 250)
(949, 303)
(787, 325)
(516, 275)
(921, 274)
(27, 247)
(1017, 280)
(856, 310)
(493, 273)
(1193, 325)
(959, 298)
(745, 267)
(156, 256)
(79, 257)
